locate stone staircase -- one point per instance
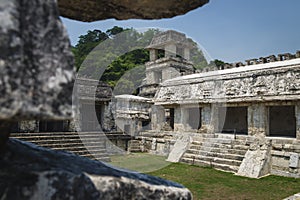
(88, 144)
(134, 146)
(220, 151)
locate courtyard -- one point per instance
(208, 183)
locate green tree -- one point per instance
(217, 63)
(120, 58)
(86, 44)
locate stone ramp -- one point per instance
(88, 144)
(220, 151)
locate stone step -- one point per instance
(213, 159)
(134, 146)
(233, 142)
(219, 150)
(83, 148)
(223, 167)
(58, 137)
(77, 144)
(103, 158)
(56, 133)
(87, 145)
(214, 154)
(205, 135)
(217, 139)
(56, 140)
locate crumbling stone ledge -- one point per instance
(32, 172)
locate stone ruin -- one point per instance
(241, 118)
(36, 81)
(254, 61)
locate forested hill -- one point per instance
(117, 51)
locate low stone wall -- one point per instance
(156, 143)
(282, 158)
(285, 155)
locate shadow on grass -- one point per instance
(141, 162)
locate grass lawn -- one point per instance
(141, 162)
(207, 183)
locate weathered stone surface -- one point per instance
(36, 63)
(294, 160)
(257, 160)
(31, 172)
(293, 197)
(259, 83)
(92, 10)
(180, 147)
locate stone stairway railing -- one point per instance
(87, 144)
(220, 151)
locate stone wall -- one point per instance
(131, 112)
(260, 83)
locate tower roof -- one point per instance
(168, 37)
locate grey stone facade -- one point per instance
(249, 109)
(258, 101)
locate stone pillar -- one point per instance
(170, 50)
(186, 53)
(257, 120)
(178, 125)
(185, 119)
(158, 117)
(297, 120)
(214, 118)
(153, 54)
(206, 121)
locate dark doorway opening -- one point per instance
(52, 126)
(233, 120)
(91, 117)
(282, 121)
(169, 115)
(194, 118)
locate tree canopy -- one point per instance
(109, 56)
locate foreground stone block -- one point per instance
(36, 76)
(31, 172)
(180, 147)
(92, 10)
(256, 163)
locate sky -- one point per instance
(228, 30)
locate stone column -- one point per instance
(170, 50)
(212, 119)
(178, 123)
(186, 53)
(297, 120)
(153, 54)
(158, 117)
(185, 119)
(207, 125)
(257, 120)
